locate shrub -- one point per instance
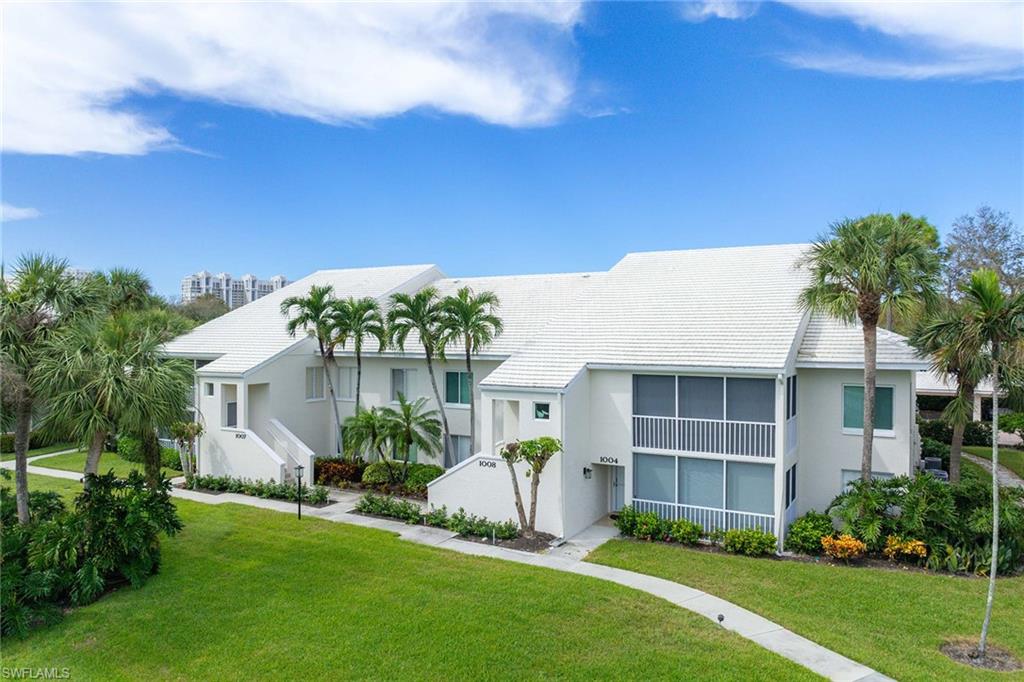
(471, 525)
(385, 505)
(685, 531)
(169, 458)
(898, 548)
(265, 489)
(844, 548)
(975, 433)
(805, 533)
(934, 448)
(437, 517)
(626, 521)
(650, 526)
(419, 476)
(1013, 423)
(72, 557)
(129, 448)
(36, 439)
(749, 541)
(337, 470)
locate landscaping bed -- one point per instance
(315, 496)
(349, 474)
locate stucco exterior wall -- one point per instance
(825, 450)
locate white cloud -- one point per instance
(719, 9)
(9, 214)
(69, 68)
(942, 39)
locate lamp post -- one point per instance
(298, 476)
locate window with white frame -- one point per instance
(346, 387)
(314, 383)
(853, 408)
(403, 382)
(461, 451)
(695, 397)
(790, 397)
(711, 483)
(208, 388)
(542, 411)
(458, 388)
(790, 486)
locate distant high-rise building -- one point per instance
(234, 292)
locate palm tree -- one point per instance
(471, 319)
(125, 290)
(36, 302)
(994, 321)
(366, 434)
(421, 312)
(862, 269)
(358, 319)
(942, 338)
(314, 314)
(412, 425)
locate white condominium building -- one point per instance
(234, 292)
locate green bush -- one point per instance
(460, 522)
(685, 531)
(66, 558)
(650, 526)
(36, 439)
(805, 533)
(626, 521)
(129, 448)
(169, 458)
(386, 505)
(265, 489)
(418, 475)
(975, 433)
(337, 470)
(749, 542)
(934, 448)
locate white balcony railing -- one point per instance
(708, 517)
(715, 436)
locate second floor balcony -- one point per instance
(700, 414)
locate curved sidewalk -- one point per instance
(569, 558)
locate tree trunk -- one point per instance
(334, 401)
(22, 431)
(994, 565)
(520, 510)
(440, 403)
(359, 376)
(955, 449)
(534, 485)
(870, 381)
(92, 458)
(151, 457)
(472, 401)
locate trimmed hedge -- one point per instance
(36, 439)
(460, 522)
(265, 489)
(749, 541)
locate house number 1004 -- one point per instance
(608, 460)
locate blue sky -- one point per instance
(609, 129)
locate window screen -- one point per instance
(314, 383)
(654, 395)
(749, 487)
(654, 477)
(456, 388)
(853, 407)
(701, 397)
(750, 400)
(700, 482)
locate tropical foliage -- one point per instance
(535, 454)
(358, 319)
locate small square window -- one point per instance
(542, 411)
(208, 388)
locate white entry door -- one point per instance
(618, 492)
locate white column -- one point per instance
(780, 458)
(976, 416)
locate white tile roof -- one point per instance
(932, 383)
(727, 308)
(253, 333)
(832, 342)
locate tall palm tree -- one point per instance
(125, 289)
(358, 319)
(314, 314)
(994, 321)
(862, 269)
(421, 312)
(412, 425)
(470, 319)
(942, 338)
(36, 302)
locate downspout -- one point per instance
(780, 460)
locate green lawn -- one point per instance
(252, 594)
(75, 461)
(893, 621)
(57, 447)
(979, 471)
(1008, 457)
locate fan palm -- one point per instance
(358, 319)
(942, 338)
(993, 321)
(470, 319)
(412, 425)
(35, 303)
(421, 312)
(314, 314)
(862, 269)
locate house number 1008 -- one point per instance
(485, 463)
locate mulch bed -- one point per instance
(305, 503)
(996, 658)
(540, 542)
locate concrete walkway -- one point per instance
(1006, 477)
(569, 557)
